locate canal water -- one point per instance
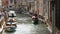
(25, 26)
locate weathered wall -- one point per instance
(40, 7)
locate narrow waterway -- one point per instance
(25, 26)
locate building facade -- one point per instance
(11, 4)
(53, 16)
(40, 7)
(5, 3)
(0, 4)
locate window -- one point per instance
(10, 6)
(15, 1)
(11, 1)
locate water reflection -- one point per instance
(29, 29)
(22, 28)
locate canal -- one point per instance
(25, 26)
